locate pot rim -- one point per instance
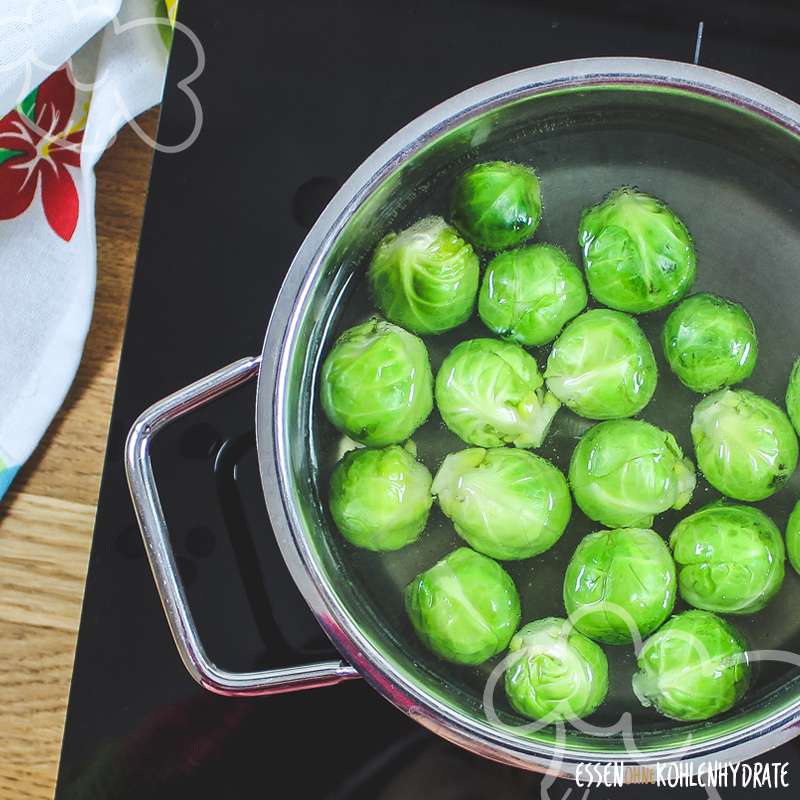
(272, 433)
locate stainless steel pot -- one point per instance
(728, 149)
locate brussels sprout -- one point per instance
(425, 278)
(490, 393)
(465, 607)
(729, 558)
(497, 204)
(793, 538)
(746, 446)
(710, 342)
(696, 666)
(380, 499)
(377, 383)
(508, 504)
(529, 294)
(793, 396)
(558, 674)
(602, 366)
(624, 472)
(618, 580)
(637, 253)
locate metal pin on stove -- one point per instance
(698, 42)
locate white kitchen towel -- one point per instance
(72, 72)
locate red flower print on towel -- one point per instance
(38, 142)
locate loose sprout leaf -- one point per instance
(558, 674)
(745, 445)
(496, 204)
(637, 252)
(624, 472)
(693, 668)
(491, 393)
(508, 504)
(380, 499)
(710, 343)
(730, 558)
(793, 396)
(618, 582)
(602, 366)
(376, 383)
(425, 278)
(465, 608)
(529, 294)
(793, 537)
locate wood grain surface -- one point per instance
(46, 519)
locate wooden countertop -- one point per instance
(47, 517)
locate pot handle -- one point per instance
(150, 515)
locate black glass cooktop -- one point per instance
(294, 96)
